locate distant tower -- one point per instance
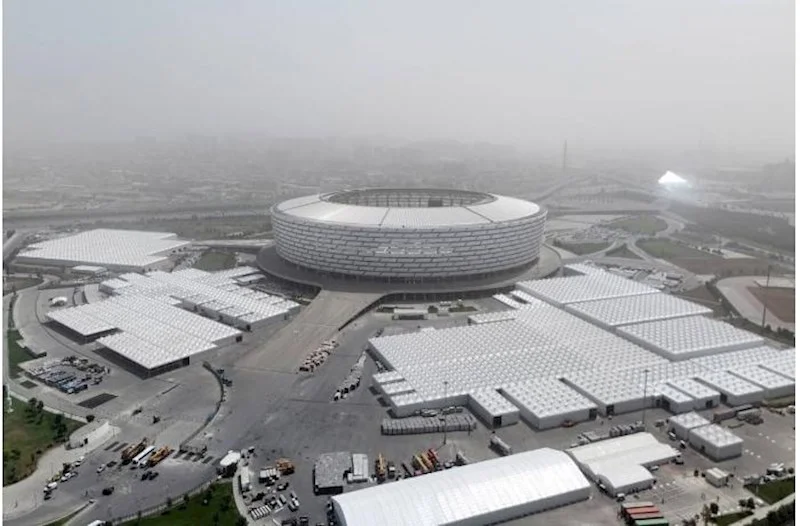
(564, 159)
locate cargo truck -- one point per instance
(724, 413)
(131, 451)
(159, 455)
(499, 445)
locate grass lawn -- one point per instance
(18, 283)
(773, 491)
(730, 518)
(583, 248)
(26, 436)
(195, 512)
(663, 249)
(16, 354)
(622, 252)
(644, 224)
(213, 260)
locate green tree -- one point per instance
(713, 508)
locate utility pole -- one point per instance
(766, 297)
(564, 160)
(644, 399)
(444, 426)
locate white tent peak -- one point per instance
(671, 178)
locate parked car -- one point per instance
(282, 486)
(101, 468)
(108, 491)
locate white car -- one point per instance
(51, 486)
(101, 468)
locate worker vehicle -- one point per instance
(380, 468)
(392, 470)
(133, 450)
(159, 455)
(285, 466)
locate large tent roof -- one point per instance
(475, 490)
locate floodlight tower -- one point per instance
(764, 303)
(644, 399)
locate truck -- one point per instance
(162, 453)
(131, 451)
(434, 459)
(141, 458)
(380, 468)
(285, 466)
(392, 470)
(723, 413)
(499, 445)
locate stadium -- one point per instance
(409, 236)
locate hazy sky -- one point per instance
(601, 73)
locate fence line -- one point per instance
(152, 510)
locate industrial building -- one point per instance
(115, 250)
(565, 351)
(152, 323)
(681, 425)
(408, 235)
(620, 464)
(482, 493)
(330, 471)
(716, 442)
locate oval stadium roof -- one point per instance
(494, 209)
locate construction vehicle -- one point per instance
(417, 462)
(159, 455)
(380, 468)
(434, 458)
(425, 462)
(131, 451)
(285, 466)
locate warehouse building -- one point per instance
(330, 472)
(716, 442)
(486, 492)
(690, 337)
(681, 425)
(613, 360)
(115, 250)
(620, 464)
(144, 328)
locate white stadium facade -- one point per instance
(409, 235)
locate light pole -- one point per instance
(766, 298)
(644, 399)
(444, 426)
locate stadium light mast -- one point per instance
(644, 399)
(444, 426)
(764, 303)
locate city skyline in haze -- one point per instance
(601, 75)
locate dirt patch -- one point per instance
(702, 296)
(723, 267)
(779, 301)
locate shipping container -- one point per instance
(652, 522)
(631, 505)
(635, 512)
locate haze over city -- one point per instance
(627, 75)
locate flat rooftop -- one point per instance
(105, 247)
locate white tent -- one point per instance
(482, 493)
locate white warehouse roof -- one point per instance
(716, 435)
(103, 247)
(690, 337)
(573, 289)
(637, 309)
(479, 492)
(689, 420)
